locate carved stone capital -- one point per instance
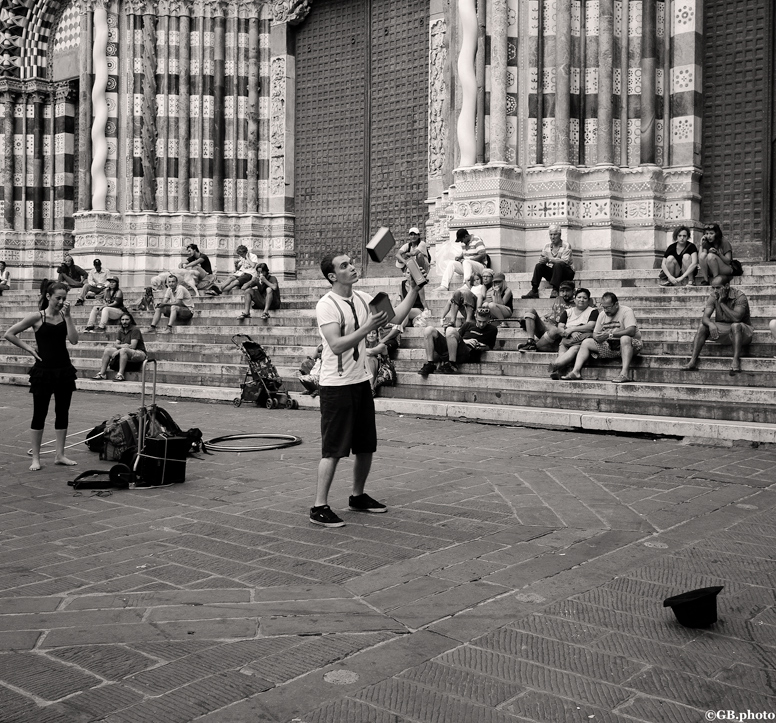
(64, 92)
(292, 12)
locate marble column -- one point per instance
(85, 108)
(562, 82)
(219, 128)
(184, 101)
(99, 106)
(252, 139)
(35, 194)
(648, 69)
(8, 165)
(605, 86)
(498, 82)
(467, 143)
(148, 131)
(479, 71)
(162, 105)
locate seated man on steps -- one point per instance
(543, 332)
(456, 346)
(464, 301)
(732, 324)
(71, 274)
(262, 292)
(129, 347)
(96, 282)
(176, 304)
(555, 264)
(472, 257)
(616, 334)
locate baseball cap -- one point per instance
(499, 277)
(566, 284)
(112, 278)
(483, 311)
(414, 229)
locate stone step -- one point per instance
(709, 430)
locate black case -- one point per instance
(163, 460)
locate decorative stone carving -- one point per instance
(437, 124)
(292, 12)
(100, 106)
(277, 124)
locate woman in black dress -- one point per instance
(52, 374)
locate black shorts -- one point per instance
(259, 298)
(440, 347)
(347, 420)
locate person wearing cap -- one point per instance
(471, 257)
(555, 264)
(498, 296)
(457, 346)
(415, 249)
(112, 309)
(543, 332)
(96, 282)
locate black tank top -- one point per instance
(52, 349)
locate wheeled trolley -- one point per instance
(262, 384)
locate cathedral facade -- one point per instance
(297, 127)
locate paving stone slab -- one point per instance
(112, 662)
(42, 677)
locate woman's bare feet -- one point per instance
(65, 461)
(689, 367)
(36, 465)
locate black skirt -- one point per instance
(45, 380)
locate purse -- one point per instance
(738, 269)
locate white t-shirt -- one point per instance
(328, 312)
(180, 294)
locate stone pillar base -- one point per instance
(614, 218)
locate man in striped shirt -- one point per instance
(472, 258)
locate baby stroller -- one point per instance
(262, 385)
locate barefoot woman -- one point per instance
(52, 373)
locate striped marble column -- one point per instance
(562, 81)
(635, 14)
(252, 117)
(219, 96)
(590, 79)
(498, 82)
(196, 160)
(576, 69)
(48, 161)
(619, 86)
(241, 170)
(548, 81)
(208, 115)
(112, 100)
(535, 76)
(184, 107)
(648, 67)
(162, 107)
(661, 84)
(265, 85)
(605, 84)
(230, 110)
(8, 160)
(64, 156)
(35, 161)
(686, 83)
(19, 162)
(137, 113)
(173, 112)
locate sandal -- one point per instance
(265, 315)
(89, 328)
(243, 316)
(118, 378)
(99, 375)
(621, 379)
(571, 377)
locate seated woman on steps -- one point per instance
(574, 326)
(113, 309)
(680, 261)
(716, 255)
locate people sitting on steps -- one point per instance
(261, 292)
(680, 261)
(177, 305)
(471, 257)
(96, 282)
(574, 326)
(68, 272)
(616, 335)
(417, 250)
(454, 346)
(129, 347)
(111, 309)
(731, 325)
(417, 308)
(464, 301)
(199, 270)
(498, 296)
(556, 264)
(543, 333)
(381, 346)
(5, 277)
(716, 255)
(244, 270)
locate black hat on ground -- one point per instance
(697, 608)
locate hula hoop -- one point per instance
(288, 440)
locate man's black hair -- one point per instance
(609, 295)
(193, 247)
(460, 234)
(327, 265)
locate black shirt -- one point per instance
(487, 334)
(126, 337)
(205, 262)
(418, 303)
(689, 249)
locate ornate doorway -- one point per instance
(361, 129)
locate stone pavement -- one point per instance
(518, 576)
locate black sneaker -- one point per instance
(532, 294)
(529, 345)
(426, 369)
(79, 302)
(324, 516)
(364, 503)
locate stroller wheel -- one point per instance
(275, 403)
(237, 401)
(289, 403)
(270, 403)
(295, 404)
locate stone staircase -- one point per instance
(200, 361)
